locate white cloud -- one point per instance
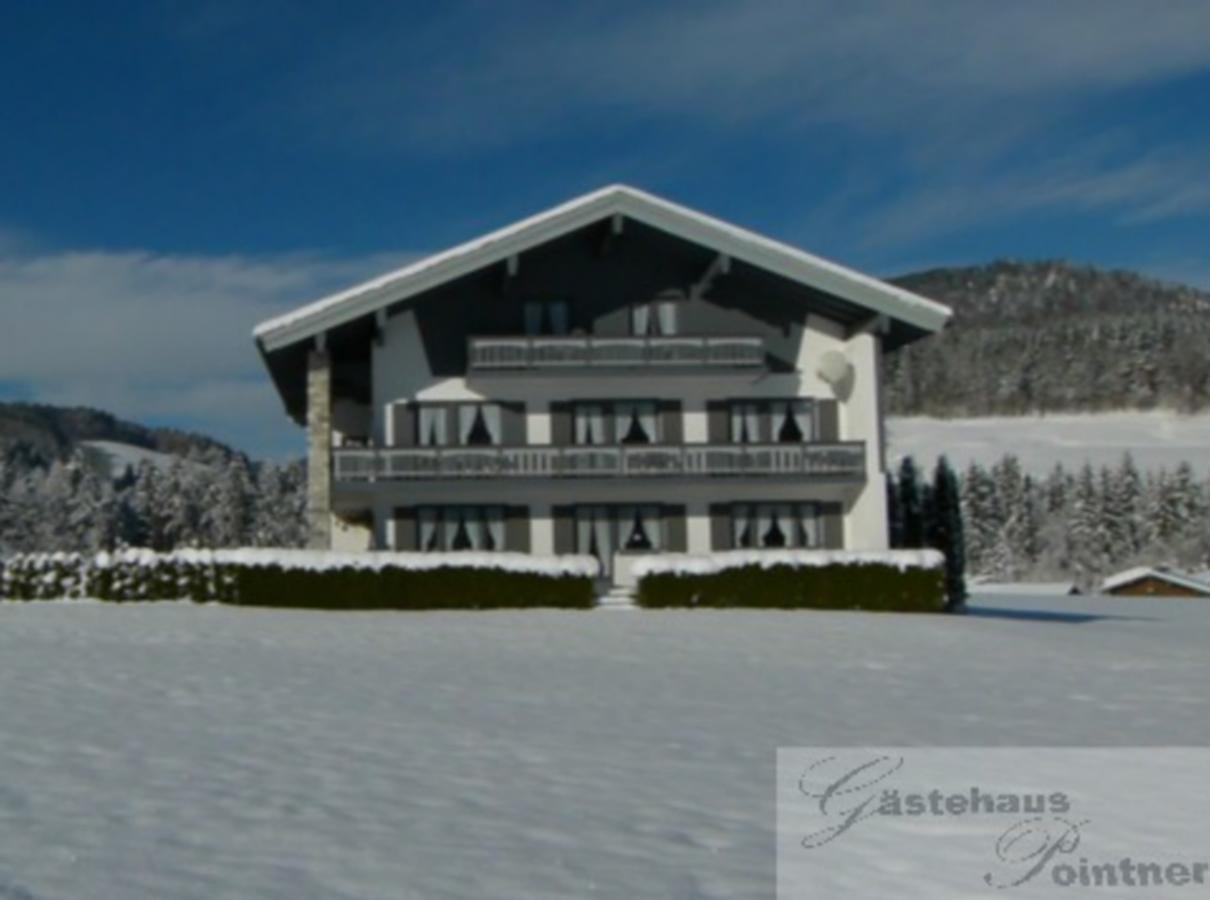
(166, 338)
(474, 81)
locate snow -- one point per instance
(1128, 575)
(711, 563)
(206, 752)
(121, 456)
(323, 560)
(599, 204)
(1157, 439)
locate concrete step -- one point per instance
(617, 598)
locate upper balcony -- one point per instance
(842, 461)
(569, 352)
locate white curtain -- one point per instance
(590, 423)
(491, 417)
(741, 521)
(652, 522)
(745, 423)
(626, 415)
(797, 412)
(640, 319)
(466, 421)
(533, 318)
(428, 529)
(809, 522)
(494, 519)
(449, 528)
(559, 319)
(473, 522)
(432, 426)
(584, 529)
(469, 412)
(667, 317)
(602, 526)
(764, 519)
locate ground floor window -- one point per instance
(601, 530)
(775, 525)
(454, 528)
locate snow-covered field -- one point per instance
(1160, 439)
(171, 752)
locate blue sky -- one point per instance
(172, 173)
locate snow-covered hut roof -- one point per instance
(1138, 573)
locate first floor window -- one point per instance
(775, 525)
(790, 421)
(432, 426)
(635, 422)
(454, 528)
(478, 424)
(590, 423)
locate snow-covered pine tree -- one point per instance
(946, 530)
(910, 504)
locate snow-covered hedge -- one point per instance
(892, 580)
(300, 578)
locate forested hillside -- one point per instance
(1050, 336)
(57, 493)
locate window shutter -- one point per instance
(676, 537)
(720, 527)
(717, 422)
(405, 528)
(672, 428)
(828, 422)
(516, 529)
(403, 425)
(832, 516)
(561, 424)
(565, 529)
(512, 424)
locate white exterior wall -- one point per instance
(401, 373)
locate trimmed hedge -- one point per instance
(202, 577)
(866, 586)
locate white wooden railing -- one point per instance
(845, 460)
(573, 351)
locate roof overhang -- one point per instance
(366, 299)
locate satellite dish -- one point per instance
(833, 367)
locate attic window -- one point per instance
(547, 317)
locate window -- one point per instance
(590, 423)
(432, 426)
(455, 528)
(775, 525)
(658, 317)
(600, 530)
(547, 317)
(478, 424)
(789, 421)
(635, 422)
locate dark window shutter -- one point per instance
(561, 433)
(672, 429)
(828, 420)
(565, 529)
(676, 537)
(405, 528)
(512, 424)
(832, 515)
(403, 424)
(516, 529)
(718, 422)
(720, 526)
(764, 415)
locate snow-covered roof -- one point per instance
(1129, 576)
(615, 200)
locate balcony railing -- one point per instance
(499, 354)
(843, 461)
